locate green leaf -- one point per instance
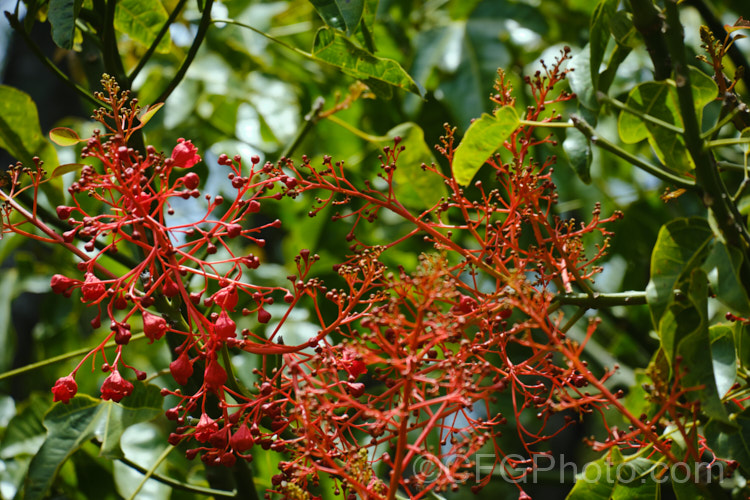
(597, 482)
(20, 133)
(742, 343)
(64, 169)
(142, 20)
(63, 136)
(680, 246)
(723, 357)
(25, 432)
(149, 112)
(580, 79)
(69, 426)
(731, 443)
(483, 138)
(62, 15)
(723, 268)
(684, 332)
(8, 280)
(333, 48)
(577, 147)
(343, 15)
(599, 35)
(659, 100)
(415, 187)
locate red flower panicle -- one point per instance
(409, 352)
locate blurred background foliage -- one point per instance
(248, 94)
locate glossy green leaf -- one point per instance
(63, 136)
(580, 79)
(8, 280)
(614, 477)
(723, 357)
(20, 133)
(70, 425)
(599, 35)
(333, 48)
(621, 26)
(684, 332)
(62, 15)
(723, 268)
(659, 100)
(142, 20)
(415, 187)
(485, 136)
(681, 245)
(343, 15)
(731, 443)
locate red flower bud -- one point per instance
(181, 368)
(63, 212)
(353, 366)
(242, 440)
(64, 389)
(185, 155)
(214, 376)
(115, 387)
(226, 298)
(225, 328)
(153, 326)
(92, 288)
(191, 180)
(206, 426)
(263, 316)
(62, 284)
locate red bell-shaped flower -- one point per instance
(154, 326)
(181, 368)
(115, 387)
(64, 389)
(185, 155)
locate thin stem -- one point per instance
(601, 300)
(643, 116)
(163, 31)
(152, 470)
(604, 144)
(532, 123)
(574, 319)
(199, 36)
(724, 120)
(727, 142)
(266, 35)
(62, 357)
(179, 485)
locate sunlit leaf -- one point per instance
(142, 20)
(333, 48)
(577, 148)
(149, 112)
(485, 136)
(63, 136)
(20, 133)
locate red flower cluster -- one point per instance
(410, 358)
